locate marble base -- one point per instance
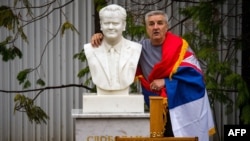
(133, 103)
(105, 126)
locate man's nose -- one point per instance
(156, 25)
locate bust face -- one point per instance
(112, 26)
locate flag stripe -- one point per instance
(185, 86)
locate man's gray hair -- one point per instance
(156, 12)
(115, 9)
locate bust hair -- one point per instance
(115, 9)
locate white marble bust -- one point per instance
(113, 73)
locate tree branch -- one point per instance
(49, 87)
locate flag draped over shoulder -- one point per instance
(184, 88)
(188, 102)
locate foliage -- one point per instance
(84, 72)
(206, 40)
(34, 113)
(134, 31)
(13, 20)
(66, 26)
(100, 4)
(9, 53)
(10, 21)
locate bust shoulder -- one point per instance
(87, 46)
(89, 49)
(134, 45)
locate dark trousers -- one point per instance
(168, 127)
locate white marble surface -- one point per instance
(78, 113)
(105, 126)
(133, 103)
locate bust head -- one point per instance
(113, 22)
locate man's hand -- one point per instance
(157, 84)
(96, 39)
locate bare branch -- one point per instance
(48, 88)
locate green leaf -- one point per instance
(34, 113)
(8, 19)
(245, 114)
(23, 35)
(13, 52)
(27, 4)
(83, 72)
(22, 75)
(80, 56)
(9, 53)
(40, 82)
(27, 84)
(67, 25)
(17, 97)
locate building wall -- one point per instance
(57, 68)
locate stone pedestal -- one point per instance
(105, 116)
(105, 126)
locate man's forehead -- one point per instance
(156, 18)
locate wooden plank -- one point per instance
(117, 138)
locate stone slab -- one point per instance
(133, 103)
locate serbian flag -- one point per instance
(188, 103)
